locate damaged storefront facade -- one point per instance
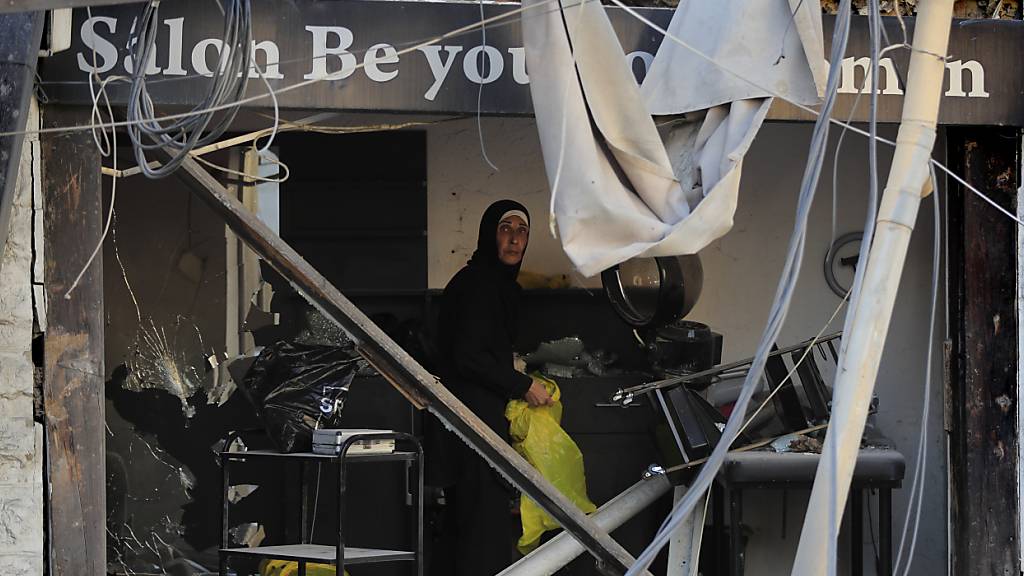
(180, 298)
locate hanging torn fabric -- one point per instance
(622, 186)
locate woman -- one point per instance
(477, 327)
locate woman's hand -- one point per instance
(538, 395)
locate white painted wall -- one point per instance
(461, 185)
(741, 272)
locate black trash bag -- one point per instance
(297, 388)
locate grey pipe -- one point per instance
(562, 549)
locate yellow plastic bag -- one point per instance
(538, 436)
(291, 568)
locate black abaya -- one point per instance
(477, 327)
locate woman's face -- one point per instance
(513, 235)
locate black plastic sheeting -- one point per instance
(297, 388)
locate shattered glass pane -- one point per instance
(250, 534)
(219, 382)
(162, 364)
(172, 406)
(236, 493)
(237, 445)
(133, 549)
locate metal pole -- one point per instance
(684, 548)
(562, 549)
(908, 183)
(225, 461)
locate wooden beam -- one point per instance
(983, 322)
(411, 379)
(73, 348)
(19, 50)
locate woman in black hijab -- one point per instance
(477, 327)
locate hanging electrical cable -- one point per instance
(917, 484)
(780, 305)
(228, 81)
(480, 86)
(832, 452)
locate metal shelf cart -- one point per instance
(338, 555)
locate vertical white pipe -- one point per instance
(684, 548)
(858, 366)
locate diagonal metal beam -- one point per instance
(412, 380)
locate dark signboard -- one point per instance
(367, 55)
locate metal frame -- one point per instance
(729, 496)
(341, 459)
(626, 395)
(345, 446)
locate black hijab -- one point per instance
(485, 261)
(486, 255)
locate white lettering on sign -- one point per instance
(956, 69)
(199, 63)
(332, 53)
(645, 57)
(151, 67)
(104, 50)
(483, 64)
(519, 65)
(271, 58)
(849, 72)
(344, 40)
(438, 67)
(380, 54)
(177, 28)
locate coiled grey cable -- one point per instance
(228, 83)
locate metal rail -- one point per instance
(625, 396)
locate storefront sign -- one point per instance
(368, 55)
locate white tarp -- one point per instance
(623, 186)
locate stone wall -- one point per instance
(21, 437)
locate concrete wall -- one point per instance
(741, 272)
(460, 186)
(21, 438)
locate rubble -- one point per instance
(1001, 9)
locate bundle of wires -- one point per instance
(780, 305)
(207, 121)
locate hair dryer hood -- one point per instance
(654, 292)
